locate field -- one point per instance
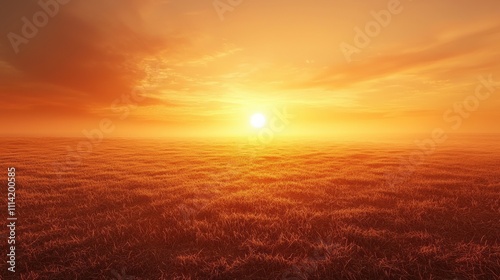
(157, 209)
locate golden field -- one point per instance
(157, 209)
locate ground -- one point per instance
(156, 209)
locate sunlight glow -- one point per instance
(258, 120)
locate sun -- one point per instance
(258, 120)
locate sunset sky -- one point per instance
(204, 70)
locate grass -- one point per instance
(147, 209)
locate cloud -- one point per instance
(83, 55)
(416, 58)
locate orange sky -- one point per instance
(203, 72)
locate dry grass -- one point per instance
(173, 210)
